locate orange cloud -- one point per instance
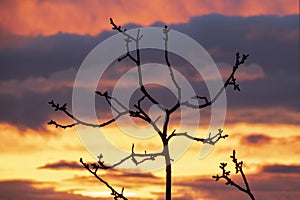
(91, 17)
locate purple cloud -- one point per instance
(25, 190)
(62, 164)
(256, 139)
(278, 168)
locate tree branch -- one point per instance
(93, 171)
(212, 140)
(136, 60)
(140, 113)
(238, 168)
(231, 80)
(108, 98)
(133, 156)
(63, 109)
(166, 31)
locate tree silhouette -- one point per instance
(139, 112)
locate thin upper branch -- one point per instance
(166, 31)
(136, 59)
(231, 80)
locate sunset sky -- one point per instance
(44, 42)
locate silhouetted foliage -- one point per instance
(140, 113)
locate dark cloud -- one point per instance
(256, 139)
(27, 190)
(273, 44)
(24, 189)
(262, 116)
(32, 110)
(281, 169)
(121, 179)
(271, 41)
(42, 56)
(62, 164)
(263, 186)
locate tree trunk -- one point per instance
(168, 173)
(251, 196)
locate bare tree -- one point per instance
(238, 169)
(139, 112)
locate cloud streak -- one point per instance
(62, 164)
(282, 169)
(25, 189)
(256, 139)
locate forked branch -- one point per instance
(238, 168)
(133, 157)
(77, 121)
(231, 80)
(93, 170)
(136, 59)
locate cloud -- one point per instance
(129, 180)
(43, 56)
(34, 190)
(263, 186)
(213, 33)
(62, 164)
(136, 185)
(27, 190)
(257, 115)
(38, 84)
(281, 169)
(50, 17)
(42, 68)
(256, 139)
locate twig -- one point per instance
(238, 168)
(93, 171)
(212, 140)
(231, 80)
(133, 156)
(63, 109)
(136, 60)
(108, 98)
(166, 31)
